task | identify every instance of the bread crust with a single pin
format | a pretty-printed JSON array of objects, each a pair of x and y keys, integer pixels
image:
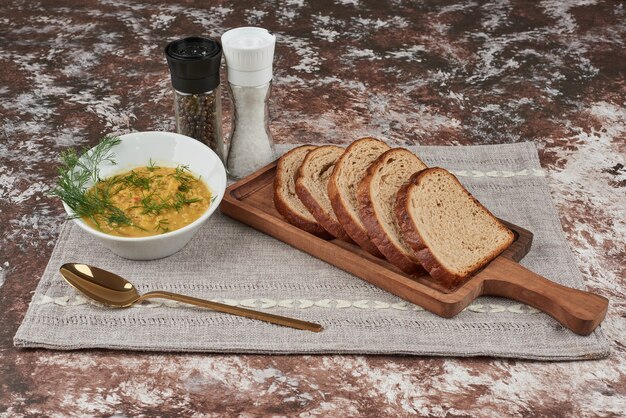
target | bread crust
[
  {"x": 377, "y": 234},
  {"x": 413, "y": 238},
  {"x": 318, "y": 212},
  {"x": 284, "y": 208},
  {"x": 353, "y": 229}
]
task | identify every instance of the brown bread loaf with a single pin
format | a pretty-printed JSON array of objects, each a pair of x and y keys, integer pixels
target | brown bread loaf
[
  {"x": 452, "y": 233},
  {"x": 286, "y": 201},
  {"x": 349, "y": 170},
  {"x": 312, "y": 187},
  {"x": 377, "y": 201}
]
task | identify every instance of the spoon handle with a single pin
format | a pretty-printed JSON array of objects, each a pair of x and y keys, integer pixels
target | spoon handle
[{"x": 248, "y": 313}]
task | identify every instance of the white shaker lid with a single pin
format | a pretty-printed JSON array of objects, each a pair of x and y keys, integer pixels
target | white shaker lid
[{"x": 249, "y": 53}]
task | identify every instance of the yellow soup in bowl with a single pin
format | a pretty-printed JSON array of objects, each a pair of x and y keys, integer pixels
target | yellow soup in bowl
[{"x": 147, "y": 201}]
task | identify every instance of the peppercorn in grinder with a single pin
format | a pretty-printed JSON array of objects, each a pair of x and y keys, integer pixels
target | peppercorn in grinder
[{"x": 194, "y": 64}]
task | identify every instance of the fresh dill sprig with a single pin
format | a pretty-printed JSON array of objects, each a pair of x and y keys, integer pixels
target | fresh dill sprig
[
  {"x": 108, "y": 183},
  {"x": 163, "y": 226},
  {"x": 151, "y": 165},
  {"x": 136, "y": 180},
  {"x": 77, "y": 172},
  {"x": 180, "y": 200},
  {"x": 117, "y": 217},
  {"x": 182, "y": 170},
  {"x": 183, "y": 175},
  {"x": 151, "y": 206}
]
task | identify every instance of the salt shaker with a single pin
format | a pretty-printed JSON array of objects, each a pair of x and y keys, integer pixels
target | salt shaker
[
  {"x": 195, "y": 71},
  {"x": 249, "y": 53}
]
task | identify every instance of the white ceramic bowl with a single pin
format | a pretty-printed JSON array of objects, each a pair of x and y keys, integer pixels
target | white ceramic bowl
[{"x": 165, "y": 149}]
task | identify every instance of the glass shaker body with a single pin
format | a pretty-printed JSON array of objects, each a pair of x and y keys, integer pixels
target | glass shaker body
[
  {"x": 251, "y": 144},
  {"x": 200, "y": 116}
]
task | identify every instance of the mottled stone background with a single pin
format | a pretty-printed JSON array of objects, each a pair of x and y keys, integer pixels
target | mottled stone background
[{"x": 446, "y": 72}]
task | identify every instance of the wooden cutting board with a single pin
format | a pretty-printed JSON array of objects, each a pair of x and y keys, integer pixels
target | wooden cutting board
[{"x": 251, "y": 201}]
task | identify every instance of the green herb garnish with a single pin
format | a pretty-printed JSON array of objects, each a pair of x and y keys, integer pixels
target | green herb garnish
[
  {"x": 180, "y": 200},
  {"x": 74, "y": 175},
  {"x": 162, "y": 226},
  {"x": 183, "y": 177},
  {"x": 151, "y": 166},
  {"x": 151, "y": 206},
  {"x": 117, "y": 217},
  {"x": 135, "y": 180}
]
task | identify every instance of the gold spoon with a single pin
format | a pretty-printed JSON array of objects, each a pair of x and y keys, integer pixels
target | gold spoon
[{"x": 111, "y": 289}]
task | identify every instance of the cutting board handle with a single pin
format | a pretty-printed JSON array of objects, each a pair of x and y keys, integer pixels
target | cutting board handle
[{"x": 575, "y": 309}]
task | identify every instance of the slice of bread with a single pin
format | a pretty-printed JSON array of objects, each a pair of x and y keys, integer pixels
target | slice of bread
[
  {"x": 452, "y": 233},
  {"x": 286, "y": 201},
  {"x": 377, "y": 202},
  {"x": 349, "y": 170},
  {"x": 312, "y": 187}
]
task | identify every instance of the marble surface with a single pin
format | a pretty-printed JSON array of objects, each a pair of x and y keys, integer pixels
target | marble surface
[{"x": 450, "y": 73}]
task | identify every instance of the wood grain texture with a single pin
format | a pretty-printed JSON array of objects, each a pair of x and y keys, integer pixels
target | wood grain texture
[
  {"x": 576, "y": 309},
  {"x": 251, "y": 201}
]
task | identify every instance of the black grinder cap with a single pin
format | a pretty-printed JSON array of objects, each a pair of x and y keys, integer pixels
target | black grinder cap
[{"x": 194, "y": 64}]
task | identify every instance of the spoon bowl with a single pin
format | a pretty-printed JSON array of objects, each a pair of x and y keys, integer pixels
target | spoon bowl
[
  {"x": 110, "y": 289},
  {"x": 100, "y": 285}
]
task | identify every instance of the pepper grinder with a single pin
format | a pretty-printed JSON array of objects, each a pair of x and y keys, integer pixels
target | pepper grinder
[
  {"x": 194, "y": 64},
  {"x": 249, "y": 53}
]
